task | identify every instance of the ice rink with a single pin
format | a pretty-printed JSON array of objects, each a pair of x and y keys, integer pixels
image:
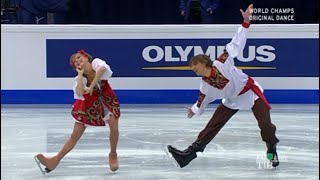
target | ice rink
[{"x": 237, "y": 152}]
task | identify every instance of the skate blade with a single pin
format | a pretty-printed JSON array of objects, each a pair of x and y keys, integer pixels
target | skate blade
[
  {"x": 274, "y": 162},
  {"x": 43, "y": 171},
  {"x": 171, "y": 157}
]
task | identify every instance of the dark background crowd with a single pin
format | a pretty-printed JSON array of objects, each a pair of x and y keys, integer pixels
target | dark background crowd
[{"x": 150, "y": 11}]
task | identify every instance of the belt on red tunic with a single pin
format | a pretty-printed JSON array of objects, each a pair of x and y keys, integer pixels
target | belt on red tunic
[{"x": 250, "y": 85}]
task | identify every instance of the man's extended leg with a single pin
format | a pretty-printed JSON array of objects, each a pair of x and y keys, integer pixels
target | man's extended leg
[
  {"x": 218, "y": 120},
  {"x": 268, "y": 130}
]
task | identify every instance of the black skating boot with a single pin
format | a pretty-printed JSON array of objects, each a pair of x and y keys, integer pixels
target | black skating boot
[
  {"x": 272, "y": 154},
  {"x": 184, "y": 157}
]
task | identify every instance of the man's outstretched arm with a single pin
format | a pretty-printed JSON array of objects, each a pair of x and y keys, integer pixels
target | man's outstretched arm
[{"x": 239, "y": 40}]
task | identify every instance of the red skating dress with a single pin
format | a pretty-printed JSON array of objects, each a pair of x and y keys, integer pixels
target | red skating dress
[{"x": 95, "y": 109}]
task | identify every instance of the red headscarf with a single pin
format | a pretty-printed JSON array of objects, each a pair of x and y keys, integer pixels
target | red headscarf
[{"x": 81, "y": 51}]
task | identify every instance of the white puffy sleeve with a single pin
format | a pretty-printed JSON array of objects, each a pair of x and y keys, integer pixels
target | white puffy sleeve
[
  {"x": 238, "y": 41},
  {"x": 203, "y": 101},
  {"x": 97, "y": 63},
  {"x": 75, "y": 95}
]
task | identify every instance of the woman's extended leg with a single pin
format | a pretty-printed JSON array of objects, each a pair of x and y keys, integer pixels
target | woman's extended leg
[{"x": 52, "y": 162}]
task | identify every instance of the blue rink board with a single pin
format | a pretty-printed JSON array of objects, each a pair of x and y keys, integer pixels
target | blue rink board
[{"x": 149, "y": 96}]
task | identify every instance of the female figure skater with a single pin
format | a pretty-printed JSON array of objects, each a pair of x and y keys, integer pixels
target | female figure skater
[{"x": 96, "y": 104}]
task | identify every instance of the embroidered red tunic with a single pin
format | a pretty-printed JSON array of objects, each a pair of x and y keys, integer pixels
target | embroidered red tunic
[{"x": 94, "y": 109}]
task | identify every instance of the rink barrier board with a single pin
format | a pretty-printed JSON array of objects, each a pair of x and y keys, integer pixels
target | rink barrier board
[
  {"x": 35, "y": 67},
  {"x": 149, "y": 96}
]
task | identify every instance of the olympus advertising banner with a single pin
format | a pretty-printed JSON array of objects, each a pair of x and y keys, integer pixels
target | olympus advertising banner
[
  {"x": 150, "y": 63},
  {"x": 169, "y": 57}
]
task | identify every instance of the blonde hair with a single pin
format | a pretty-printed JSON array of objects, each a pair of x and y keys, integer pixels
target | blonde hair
[
  {"x": 80, "y": 52},
  {"x": 201, "y": 58}
]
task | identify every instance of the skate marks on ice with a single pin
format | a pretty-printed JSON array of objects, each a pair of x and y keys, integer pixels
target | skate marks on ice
[{"x": 236, "y": 153}]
